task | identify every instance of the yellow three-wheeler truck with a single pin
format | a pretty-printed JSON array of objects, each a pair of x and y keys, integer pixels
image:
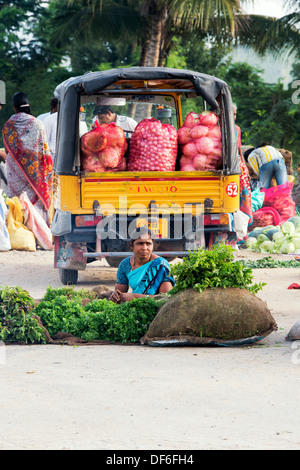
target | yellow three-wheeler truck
[{"x": 184, "y": 209}]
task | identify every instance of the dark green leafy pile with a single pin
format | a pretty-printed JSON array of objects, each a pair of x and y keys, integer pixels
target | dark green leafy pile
[
  {"x": 60, "y": 314},
  {"x": 69, "y": 292},
  {"x": 16, "y": 317},
  {"x": 213, "y": 268},
  {"x": 97, "y": 320},
  {"x": 126, "y": 322},
  {"x": 61, "y": 309},
  {"x": 269, "y": 262}
]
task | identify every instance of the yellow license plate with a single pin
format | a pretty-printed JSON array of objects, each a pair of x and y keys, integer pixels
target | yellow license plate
[{"x": 159, "y": 228}]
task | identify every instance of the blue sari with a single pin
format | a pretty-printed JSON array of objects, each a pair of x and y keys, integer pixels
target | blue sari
[{"x": 147, "y": 278}]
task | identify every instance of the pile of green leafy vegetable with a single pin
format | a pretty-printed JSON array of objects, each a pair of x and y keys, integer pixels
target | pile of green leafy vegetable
[
  {"x": 100, "y": 319},
  {"x": 63, "y": 309},
  {"x": 213, "y": 268},
  {"x": 269, "y": 262},
  {"x": 17, "y": 324}
]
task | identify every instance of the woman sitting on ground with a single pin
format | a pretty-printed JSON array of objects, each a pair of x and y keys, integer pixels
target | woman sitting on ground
[{"x": 145, "y": 273}]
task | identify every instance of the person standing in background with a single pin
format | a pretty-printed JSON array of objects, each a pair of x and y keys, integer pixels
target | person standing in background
[
  {"x": 50, "y": 124},
  {"x": 28, "y": 160}
]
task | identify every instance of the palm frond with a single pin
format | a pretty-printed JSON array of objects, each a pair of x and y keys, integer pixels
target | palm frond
[
  {"x": 91, "y": 25},
  {"x": 207, "y": 15},
  {"x": 269, "y": 34}
]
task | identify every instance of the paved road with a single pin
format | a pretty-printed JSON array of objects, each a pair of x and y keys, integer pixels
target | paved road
[{"x": 138, "y": 397}]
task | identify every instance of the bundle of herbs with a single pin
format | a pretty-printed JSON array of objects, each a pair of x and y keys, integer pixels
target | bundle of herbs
[
  {"x": 213, "y": 268},
  {"x": 17, "y": 324}
]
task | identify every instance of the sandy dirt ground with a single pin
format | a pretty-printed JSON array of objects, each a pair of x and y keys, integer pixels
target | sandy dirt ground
[{"x": 138, "y": 397}]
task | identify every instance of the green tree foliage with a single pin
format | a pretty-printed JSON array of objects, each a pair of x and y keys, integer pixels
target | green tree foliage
[
  {"x": 150, "y": 24},
  {"x": 27, "y": 62},
  {"x": 265, "y": 111}
]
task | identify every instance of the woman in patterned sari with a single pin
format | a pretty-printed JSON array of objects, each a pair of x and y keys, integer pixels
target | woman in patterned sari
[
  {"x": 144, "y": 272},
  {"x": 28, "y": 161}
]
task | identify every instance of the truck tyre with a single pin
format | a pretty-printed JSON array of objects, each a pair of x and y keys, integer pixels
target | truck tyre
[
  {"x": 113, "y": 262},
  {"x": 68, "y": 276}
]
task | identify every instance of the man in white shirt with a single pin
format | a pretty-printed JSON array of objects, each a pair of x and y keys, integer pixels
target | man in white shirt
[
  {"x": 53, "y": 104},
  {"x": 50, "y": 124},
  {"x": 43, "y": 116},
  {"x": 105, "y": 114}
]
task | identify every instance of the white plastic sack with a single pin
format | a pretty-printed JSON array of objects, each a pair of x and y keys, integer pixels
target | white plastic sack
[
  {"x": 4, "y": 235},
  {"x": 35, "y": 222},
  {"x": 240, "y": 224}
]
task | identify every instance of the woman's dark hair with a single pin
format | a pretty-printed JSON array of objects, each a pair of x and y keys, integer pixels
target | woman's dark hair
[
  {"x": 138, "y": 232},
  {"x": 21, "y": 103},
  {"x": 263, "y": 144},
  {"x": 247, "y": 153},
  {"x": 103, "y": 109}
]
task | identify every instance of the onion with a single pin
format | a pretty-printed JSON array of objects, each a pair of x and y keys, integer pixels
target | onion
[
  {"x": 110, "y": 157},
  {"x": 209, "y": 119},
  {"x": 198, "y": 131},
  {"x": 92, "y": 164},
  {"x": 204, "y": 145},
  {"x": 190, "y": 150},
  {"x": 215, "y": 133},
  {"x": 191, "y": 120},
  {"x": 200, "y": 162},
  {"x": 184, "y": 135}
]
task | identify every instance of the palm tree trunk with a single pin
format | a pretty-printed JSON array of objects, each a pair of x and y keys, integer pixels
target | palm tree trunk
[
  {"x": 132, "y": 108},
  {"x": 155, "y": 41},
  {"x": 144, "y": 53},
  {"x": 154, "y": 55}
]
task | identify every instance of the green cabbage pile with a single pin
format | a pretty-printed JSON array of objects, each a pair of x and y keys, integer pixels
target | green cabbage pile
[{"x": 282, "y": 239}]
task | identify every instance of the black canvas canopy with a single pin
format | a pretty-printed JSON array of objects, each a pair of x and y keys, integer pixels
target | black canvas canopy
[{"x": 68, "y": 93}]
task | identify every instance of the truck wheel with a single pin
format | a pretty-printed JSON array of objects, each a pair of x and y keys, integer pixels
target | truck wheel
[
  {"x": 113, "y": 262},
  {"x": 68, "y": 276}
]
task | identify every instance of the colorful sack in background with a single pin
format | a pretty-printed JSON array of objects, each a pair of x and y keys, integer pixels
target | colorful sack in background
[
  {"x": 280, "y": 198},
  {"x": 266, "y": 216},
  {"x": 4, "y": 235},
  {"x": 20, "y": 237},
  {"x": 257, "y": 199},
  {"x": 34, "y": 221}
]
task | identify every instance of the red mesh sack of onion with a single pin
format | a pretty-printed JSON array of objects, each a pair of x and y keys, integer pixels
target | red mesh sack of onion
[
  {"x": 103, "y": 149},
  {"x": 200, "y": 141},
  {"x": 153, "y": 147}
]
